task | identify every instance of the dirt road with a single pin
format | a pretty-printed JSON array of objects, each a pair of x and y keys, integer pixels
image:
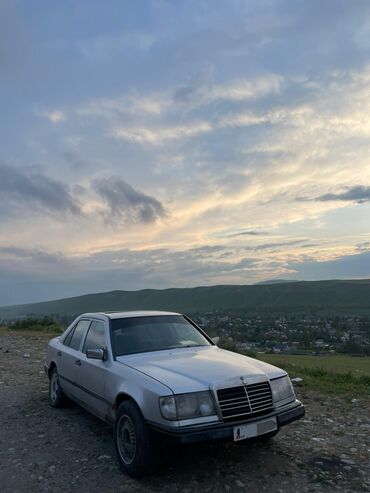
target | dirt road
[{"x": 45, "y": 449}]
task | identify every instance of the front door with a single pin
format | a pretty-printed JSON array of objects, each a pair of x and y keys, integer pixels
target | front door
[
  {"x": 69, "y": 356},
  {"x": 91, "y": 374}
]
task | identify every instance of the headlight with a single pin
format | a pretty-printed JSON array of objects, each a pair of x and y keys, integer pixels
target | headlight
[
  {"x": 187, "y": 406},
  {"x": 168, "y": 407},
  {"x": 282, "y": 388}
]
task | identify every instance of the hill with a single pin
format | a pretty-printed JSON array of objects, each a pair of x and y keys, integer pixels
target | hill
[
  {"x": 315, "y": 297},
  {"x": 274, "y": 281}
]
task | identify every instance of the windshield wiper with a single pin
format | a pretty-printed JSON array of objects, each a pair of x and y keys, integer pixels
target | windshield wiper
[{"x": 187, "y": 346}]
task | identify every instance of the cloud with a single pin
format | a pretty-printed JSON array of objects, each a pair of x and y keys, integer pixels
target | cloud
[
  {"x": 347, "y": 266},
  {"x": 126, "y": 203},
  {"x": 363, "y": 247},
  {"x": 359, "y": 194},
  {"x": 245, "y": 89},
  {"x": 74, "y": 160},
  {"x": 132, "y": 104},
  {"x": 198, "y": 93},
  {"x": 184, "y": 94},
  {"x": 248, "y": 233},
  {"x": 203, "y": 92},
  {"x": 25, "y": 187},
  {"x": 38, "y": 255},
  {"x": 276, "y": 245},
  {"x": 35, "y": 274},
  {"x": 55, "y": 116},
  {"x": 25, "y": 278},
  {"x": 159, "y": 135}
]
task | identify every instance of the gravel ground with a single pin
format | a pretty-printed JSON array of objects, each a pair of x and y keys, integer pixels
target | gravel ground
[{"x": 45, "y": 449}]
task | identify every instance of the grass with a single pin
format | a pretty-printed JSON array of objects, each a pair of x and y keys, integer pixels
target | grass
[
  {"x": 44, "y": 324},
  {"x": 4, "y": 330},
  {"x": 337, "y": 363},
  {"x": 337, "y": 374}
]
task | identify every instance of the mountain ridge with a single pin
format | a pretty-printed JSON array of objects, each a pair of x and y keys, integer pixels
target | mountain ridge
[{"x": 319, "y": 297}]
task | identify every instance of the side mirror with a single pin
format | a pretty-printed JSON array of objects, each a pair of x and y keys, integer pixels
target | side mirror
[
  {"x": 96, "y": 354},
  {"x": 215, "y": 340}
]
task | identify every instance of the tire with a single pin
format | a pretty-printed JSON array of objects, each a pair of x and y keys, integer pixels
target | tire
[
  {"x": 57, "y": 397},
  {"x": 135, "y": 446}
]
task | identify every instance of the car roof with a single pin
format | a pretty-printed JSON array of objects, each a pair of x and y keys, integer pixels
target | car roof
[{"x": 130, "y": 314}]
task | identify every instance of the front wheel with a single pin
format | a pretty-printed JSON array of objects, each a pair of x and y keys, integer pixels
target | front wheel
[
  {"x": 57, "y": 397},
  {"x": 135, "y": 446}
]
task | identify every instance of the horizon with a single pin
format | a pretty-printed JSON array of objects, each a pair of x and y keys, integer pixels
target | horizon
[{"x": 147, "y": 145}]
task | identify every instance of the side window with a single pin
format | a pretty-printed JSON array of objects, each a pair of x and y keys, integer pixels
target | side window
[
  {"x": 95, "y": 338},
  {"x": 67, "y": 339},
  {"x": 79, "y": 333}
]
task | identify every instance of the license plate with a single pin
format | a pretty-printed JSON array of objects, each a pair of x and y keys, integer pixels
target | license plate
[{"x": 254, "y": 429}]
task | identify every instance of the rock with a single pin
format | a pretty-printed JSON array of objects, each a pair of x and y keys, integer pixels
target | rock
[
  {"x": 104, "y": 457},
  {"x": 239, "y": 483},
  {"x": 51, "y": 469},
  {"x": 348, "y": 462},
  {"x": 26, "y": 355},
  {"x": 297, "y": 380}
]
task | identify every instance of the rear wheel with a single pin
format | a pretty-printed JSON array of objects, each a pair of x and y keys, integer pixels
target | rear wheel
[
  {"x": 135, "y": 446},
  {"x": 57, "y": 397}
]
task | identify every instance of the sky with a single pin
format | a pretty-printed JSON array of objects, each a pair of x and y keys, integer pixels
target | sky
[{"x": 156, "y": 144}]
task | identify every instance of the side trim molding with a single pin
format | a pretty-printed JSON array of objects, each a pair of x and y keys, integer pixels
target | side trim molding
[{"x": 84, "y": 389}]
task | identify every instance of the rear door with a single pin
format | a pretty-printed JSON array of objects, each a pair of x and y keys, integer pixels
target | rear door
[{"x": 68, "y": 358}]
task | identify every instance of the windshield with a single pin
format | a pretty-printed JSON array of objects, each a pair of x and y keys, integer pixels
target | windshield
[{"x": 143, "y": 334}]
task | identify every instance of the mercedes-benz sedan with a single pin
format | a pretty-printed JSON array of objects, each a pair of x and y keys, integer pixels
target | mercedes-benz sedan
[{"x": 156, "y": 374}]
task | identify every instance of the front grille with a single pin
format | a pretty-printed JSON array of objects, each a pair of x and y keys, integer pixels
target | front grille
[{"x": 246, "y": 400}]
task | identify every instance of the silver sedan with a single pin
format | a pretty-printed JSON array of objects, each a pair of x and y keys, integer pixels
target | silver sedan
[{"x": 157, "y": 375}]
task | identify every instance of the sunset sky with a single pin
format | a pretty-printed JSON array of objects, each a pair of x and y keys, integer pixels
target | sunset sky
[{"x": 154, "y": 144}]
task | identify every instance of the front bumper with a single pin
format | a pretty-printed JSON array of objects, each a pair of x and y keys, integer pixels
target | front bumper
[{"x": 224, "y": 431}]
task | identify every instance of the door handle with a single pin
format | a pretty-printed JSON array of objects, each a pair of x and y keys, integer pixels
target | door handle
[
  {"x": 59, "y": 353},
  {"x": 78, "y": 362}
]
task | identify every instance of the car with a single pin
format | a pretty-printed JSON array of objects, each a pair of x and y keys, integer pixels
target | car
[{"x": 157, "y": 376}]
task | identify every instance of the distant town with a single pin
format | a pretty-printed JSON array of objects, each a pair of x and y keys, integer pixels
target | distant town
[
  {"x": 290, "y": 334},
  {"x": 252, "y": 334}
]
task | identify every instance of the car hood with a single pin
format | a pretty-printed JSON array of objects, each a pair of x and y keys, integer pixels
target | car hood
[{"x": 194, "y": 369}]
